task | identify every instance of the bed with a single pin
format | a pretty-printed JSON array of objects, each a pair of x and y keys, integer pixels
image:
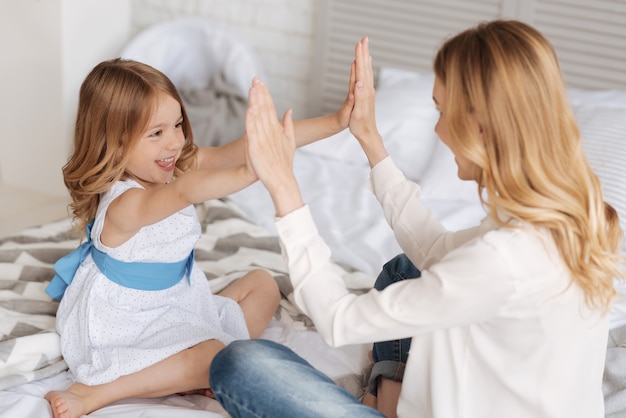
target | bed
[{"x": 238, "y": 231}]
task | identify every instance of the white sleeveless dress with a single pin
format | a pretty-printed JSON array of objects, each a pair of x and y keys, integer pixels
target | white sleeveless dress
[{"x": 108, "y": 330}]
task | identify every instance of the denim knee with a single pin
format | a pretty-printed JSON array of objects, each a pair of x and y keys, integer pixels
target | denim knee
[
  {"x": 397, "y": 269},
  {"x": 390, "y": 357}
]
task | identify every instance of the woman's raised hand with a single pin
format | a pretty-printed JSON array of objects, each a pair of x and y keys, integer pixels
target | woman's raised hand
[
  {"x": 270, "y": 149},
  {"x": 363, "y": 118}
]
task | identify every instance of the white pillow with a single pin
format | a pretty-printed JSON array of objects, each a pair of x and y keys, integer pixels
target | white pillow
[
  {"x": 441, "y": 181},
  {"x": 405, "y": 116},
  {"x": 601, "y": 117},
  {"x": 191, "y": 50},
  {"x": 406, "y": 119},
  {"x": 604, "y": 140},
  {"x": 602, "y": 98}
]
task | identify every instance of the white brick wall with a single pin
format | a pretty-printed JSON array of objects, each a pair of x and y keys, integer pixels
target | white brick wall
[{"x": 281, "y": 31}]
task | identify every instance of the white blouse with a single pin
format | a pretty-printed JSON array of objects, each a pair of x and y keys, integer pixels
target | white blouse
[{"x": 498, "y": 329}]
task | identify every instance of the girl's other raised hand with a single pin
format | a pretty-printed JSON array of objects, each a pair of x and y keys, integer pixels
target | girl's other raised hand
[{"x": 345, "y": 111}]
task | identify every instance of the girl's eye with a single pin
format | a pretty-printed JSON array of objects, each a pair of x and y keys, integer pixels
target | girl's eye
[
  {"x": 156, "y": 133},
  {"x": 179, "y": 124}
]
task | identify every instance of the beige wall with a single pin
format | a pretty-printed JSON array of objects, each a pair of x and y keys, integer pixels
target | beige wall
[{"x": 48, "y": 47}]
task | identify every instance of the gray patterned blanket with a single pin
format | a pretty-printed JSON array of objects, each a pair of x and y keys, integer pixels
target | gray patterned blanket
[{"x": 29, "y": 345}]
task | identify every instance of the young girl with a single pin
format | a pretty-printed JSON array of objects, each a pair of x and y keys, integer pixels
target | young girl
[
  {"x": 507, "y": 319},
  {"x": 139, "y": 319}
]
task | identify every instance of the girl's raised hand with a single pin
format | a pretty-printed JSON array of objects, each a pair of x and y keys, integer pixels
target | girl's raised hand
[
  {"x": 345, "y": 111},
  {"x": 271, "y": 147}
]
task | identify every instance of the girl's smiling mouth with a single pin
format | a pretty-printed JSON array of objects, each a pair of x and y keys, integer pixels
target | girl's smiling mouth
[{"x": 167, "y": 164}]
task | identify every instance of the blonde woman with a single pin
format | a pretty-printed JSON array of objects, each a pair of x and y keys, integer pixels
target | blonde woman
[
  {"x": 507, "y": 319},
  {"x": 137, "y": 317}
]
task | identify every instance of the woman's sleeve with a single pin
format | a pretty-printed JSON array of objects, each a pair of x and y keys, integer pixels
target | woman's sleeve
[
  {"x": 422, "y": 237},
  {"x": 455, "y": 291}
]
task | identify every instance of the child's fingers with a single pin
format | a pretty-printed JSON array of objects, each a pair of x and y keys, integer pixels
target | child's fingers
[
  {"x": 352, "y": 78},
  {"x": 250, "y": 124},
  {"x": 288, "y": 125}
]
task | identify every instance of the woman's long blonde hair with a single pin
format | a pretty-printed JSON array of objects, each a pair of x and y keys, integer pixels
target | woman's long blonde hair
[
  {"x": 528, "y": 157},
  {"x": 115, "y": 105}
]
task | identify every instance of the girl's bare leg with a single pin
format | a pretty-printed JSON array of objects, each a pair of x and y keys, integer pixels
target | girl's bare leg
[
  {"x": 258, "y": 295},
  {"x": 184, "y": 371}
]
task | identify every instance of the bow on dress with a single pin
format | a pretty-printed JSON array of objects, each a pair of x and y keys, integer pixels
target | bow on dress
[{"x": 135, "y": 275}]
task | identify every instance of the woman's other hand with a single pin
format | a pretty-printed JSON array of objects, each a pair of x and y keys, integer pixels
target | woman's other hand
[{"x": 270, "y": 149}]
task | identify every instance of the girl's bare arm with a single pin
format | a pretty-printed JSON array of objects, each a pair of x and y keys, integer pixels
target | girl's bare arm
[{"x": 136, "y": 207}]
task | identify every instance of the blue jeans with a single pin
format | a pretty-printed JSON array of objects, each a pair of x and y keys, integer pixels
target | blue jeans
[
  {"x": 260, "y": 378},
  {"x": 390, "y": 356}
]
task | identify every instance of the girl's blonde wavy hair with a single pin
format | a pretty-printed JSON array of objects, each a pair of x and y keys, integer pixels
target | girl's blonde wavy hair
[
  {"x": 116, "y": 102},
  {"x": 529, "y": 162}
]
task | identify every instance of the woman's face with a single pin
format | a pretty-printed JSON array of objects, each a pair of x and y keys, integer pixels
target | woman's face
[{"x": 465, "y": 166}]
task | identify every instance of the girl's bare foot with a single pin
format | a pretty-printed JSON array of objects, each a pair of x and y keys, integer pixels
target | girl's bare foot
[{"x": 70, "y": 403}]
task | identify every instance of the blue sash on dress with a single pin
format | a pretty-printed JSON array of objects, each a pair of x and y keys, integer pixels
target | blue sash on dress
[{"x": 135, "y": 275}]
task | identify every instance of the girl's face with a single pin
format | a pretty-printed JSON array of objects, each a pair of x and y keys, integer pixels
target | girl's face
[
  {"x": 153, "y": 156},
  {"x": 465, "y": 166}
]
